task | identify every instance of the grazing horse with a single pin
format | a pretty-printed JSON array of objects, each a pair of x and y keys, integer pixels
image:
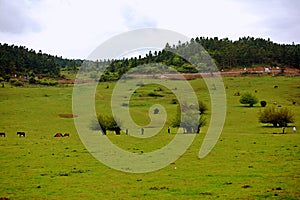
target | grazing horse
[
  {"x": 21, "y": 133},
  {"x": 67, "y": 135},
  {"x": 58, "y": 135},
  {"x": 2, "y": 134}
]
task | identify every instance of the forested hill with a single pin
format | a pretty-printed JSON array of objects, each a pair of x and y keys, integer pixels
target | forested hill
[
  {"x": 19, "y": 60},
  {"x": 249, "y": 51},
  {"x": 226, "y": 54}
]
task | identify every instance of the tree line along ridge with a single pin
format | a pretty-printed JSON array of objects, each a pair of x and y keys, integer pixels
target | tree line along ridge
[{"x": 224, "y": 53}]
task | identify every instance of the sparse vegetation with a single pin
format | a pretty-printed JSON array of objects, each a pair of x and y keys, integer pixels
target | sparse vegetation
[{"x": 40, "y": 166}]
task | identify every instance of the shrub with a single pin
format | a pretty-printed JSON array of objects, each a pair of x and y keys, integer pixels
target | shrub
[
  {"x": 32, "y": 80},
  {"x": 152, "y": 94},
  {"x": 49, "y": 82},
  {"x": 2, "y": 82},
  {"x": 248, "y": 98},
  {"x": 285, "y": 116},
  {"x": 186, "y": 120},
  {"x": 107, "y": 123},
  {"x": 94, "y": 75},
  {"x": 16, "y": 82},
  {"x": 276, "y": 116},
  {"x": 263, "y": 103},
  {"x": 140, "y": 84},
  {"x": 159, "y": 89},
  {"x": 237, "y": 94},
  {"x": 13, "y": 80},
  {"x": 202, "y": 107},
  {"x": 156, "y": 111},
  {"x": 174, "y": 101}
]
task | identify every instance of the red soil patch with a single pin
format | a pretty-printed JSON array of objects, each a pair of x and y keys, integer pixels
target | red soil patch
[{"x": 67, "y": 115}]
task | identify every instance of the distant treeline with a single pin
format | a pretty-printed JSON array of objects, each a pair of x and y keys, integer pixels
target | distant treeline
[
  {"x": 225, "y": 53},
  {"x": 249, "y": 51},
  {"x": 20, "y": 61}
]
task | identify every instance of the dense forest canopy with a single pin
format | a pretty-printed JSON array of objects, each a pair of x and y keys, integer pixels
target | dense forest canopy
[
  {"x": 19, "y": 60},
  {"x": 225, "y": 53},
  {"x": 249, "y": 51}
]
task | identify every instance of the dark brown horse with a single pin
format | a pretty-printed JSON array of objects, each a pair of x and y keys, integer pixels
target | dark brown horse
[
  {"x": 67, "y": 135},
  {"x": 58, "y": 135}
]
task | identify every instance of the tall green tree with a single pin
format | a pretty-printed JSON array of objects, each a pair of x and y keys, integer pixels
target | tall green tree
[{"x": 276, "y": 116}]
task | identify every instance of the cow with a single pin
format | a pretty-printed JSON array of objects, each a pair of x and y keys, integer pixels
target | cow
[
  {"x": 2, "y": 134},
  {"x": 58, "y": 135},
  {"x": 67, "y": 135},
  {"x": 21, "y": 133}
]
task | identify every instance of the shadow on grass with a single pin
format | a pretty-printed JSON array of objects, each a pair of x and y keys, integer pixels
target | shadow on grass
[
  {"x": 269, "y": 129},
  {"x": 246, "y": 106},
  {"x": 275, "y": 127}
]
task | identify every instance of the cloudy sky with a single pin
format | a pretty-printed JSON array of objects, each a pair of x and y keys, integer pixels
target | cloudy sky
[{"x": 74, "y": 28}]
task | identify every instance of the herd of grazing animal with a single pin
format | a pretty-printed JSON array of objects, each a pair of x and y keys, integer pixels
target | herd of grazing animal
[
  {"x": 19, "y": 133},
  {"x": 62, "y": 135},
  {"x": 22, "y": 134}
]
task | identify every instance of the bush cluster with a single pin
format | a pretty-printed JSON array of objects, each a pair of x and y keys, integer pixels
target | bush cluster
[
  {"x": 153, "y": 94},
  {"x": 276, "y": 116},
  {"x": 107, "y": 123},
  {"x": 248, "y": 98},
  {"x": 16, "y": 82},
  {"x": 44, "y": 81}
]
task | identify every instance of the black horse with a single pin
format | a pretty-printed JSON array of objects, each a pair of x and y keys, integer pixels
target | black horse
[
  {"x": 21, "y": 133},
  {"x": 2, "y": 134}
]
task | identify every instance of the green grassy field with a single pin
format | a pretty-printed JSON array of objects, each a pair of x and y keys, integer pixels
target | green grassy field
[{"x": 248, "y": 162}]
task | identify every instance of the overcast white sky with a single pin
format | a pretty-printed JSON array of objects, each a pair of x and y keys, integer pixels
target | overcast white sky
[{"x": 74, "y": 28}]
